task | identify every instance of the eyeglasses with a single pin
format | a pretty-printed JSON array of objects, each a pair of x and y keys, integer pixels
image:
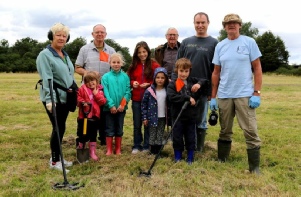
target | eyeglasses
[
  {"x": 175, "y": 35},
  {"x": 100, "y": 32}
]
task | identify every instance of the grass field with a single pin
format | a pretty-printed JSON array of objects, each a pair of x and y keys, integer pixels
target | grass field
[{"x": 25, "y": 152}]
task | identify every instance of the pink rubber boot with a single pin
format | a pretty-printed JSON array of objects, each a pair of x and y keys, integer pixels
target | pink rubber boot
[{"x": 93, "y": 151}]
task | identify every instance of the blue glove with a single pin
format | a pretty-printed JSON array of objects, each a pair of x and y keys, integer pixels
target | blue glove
[
  {"x": 254, "y": 102},
  {"x": 213, "y": 104}
]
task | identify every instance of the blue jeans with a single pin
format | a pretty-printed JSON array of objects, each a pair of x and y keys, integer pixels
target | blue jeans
[
  {"x": 136, "y": 110},
  {"x": 114, "y": 124},
  {"x": 204, "y": 111}
]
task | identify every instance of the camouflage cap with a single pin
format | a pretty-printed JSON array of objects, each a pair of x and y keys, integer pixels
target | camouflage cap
[{"x": 231, "y": 18}]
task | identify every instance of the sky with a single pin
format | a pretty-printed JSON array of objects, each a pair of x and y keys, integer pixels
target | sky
[{"x": 130, "y": 21}]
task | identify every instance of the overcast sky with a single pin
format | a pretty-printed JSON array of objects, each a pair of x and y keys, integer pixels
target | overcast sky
[{"x": 130, "y": 21}]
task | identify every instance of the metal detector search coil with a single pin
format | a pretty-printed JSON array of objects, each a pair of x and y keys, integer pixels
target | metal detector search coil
[{"x": 213, "y": 117}]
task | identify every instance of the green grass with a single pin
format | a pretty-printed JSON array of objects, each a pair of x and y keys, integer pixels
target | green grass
[{"x": 25, "y": 152}]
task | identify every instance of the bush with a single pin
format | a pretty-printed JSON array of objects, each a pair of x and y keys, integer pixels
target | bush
[{"x": 288, "y": 70}]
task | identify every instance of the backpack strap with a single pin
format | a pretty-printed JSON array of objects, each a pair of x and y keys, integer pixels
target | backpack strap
[{"x": 40, "y": 82}]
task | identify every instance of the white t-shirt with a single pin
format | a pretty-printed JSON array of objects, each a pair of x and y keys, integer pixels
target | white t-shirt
[{"x": 161, "y": 100}]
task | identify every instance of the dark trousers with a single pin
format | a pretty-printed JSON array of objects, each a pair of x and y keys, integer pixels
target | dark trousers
[
  {"x": 91, "y": 130},
  {"x": 184, "y": 130},
  {"x": 138, "y": 138},
  {"x": 114, "y": 124},
  {"x": 102, "y": 127},
  {"x": 61, "y": 116}
]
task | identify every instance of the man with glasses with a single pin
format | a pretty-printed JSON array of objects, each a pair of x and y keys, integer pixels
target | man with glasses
[
  {"x": 94, "y": 56},
  {"x": 166, "y": 54},
  {"x": 199, "y": 49}
]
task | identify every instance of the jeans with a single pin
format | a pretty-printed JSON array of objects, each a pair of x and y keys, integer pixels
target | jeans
[
  {"x": 114, "y": 124},
  {"x": 204, "y": 111},
  {"x": 136, "y": 110}
]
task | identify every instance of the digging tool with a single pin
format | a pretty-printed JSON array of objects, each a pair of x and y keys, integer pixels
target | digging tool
[
  {"x": 65, "y": 185},
  {"x": 148, "y": 173},
  {"x": 82, "y": 155}
]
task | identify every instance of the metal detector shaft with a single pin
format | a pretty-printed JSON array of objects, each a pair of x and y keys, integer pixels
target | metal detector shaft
[
  {"x": 57, "y": 129},
  {"x": 169, "y": 134}
]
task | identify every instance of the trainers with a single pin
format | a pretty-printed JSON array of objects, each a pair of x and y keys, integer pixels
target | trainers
[
  {"x": 66, "y": 163},
  {"x": 58, "y": 166},
  {"x": 145, "y": 151},
  {"x": 135, "y": 151}
]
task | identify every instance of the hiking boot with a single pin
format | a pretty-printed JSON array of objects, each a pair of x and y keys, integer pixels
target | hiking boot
[{"x": 58, "y": 166}]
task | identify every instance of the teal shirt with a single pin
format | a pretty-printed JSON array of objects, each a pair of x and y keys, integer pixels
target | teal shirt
[
  {"x": 51, "y": 66},
  {"x": 116, "y": 85}
]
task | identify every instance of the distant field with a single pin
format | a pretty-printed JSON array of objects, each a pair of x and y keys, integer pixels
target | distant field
[{"x": 24, "y": 143}]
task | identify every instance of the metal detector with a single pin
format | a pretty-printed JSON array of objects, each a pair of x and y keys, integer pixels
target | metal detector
[
  {"x": 148, "y": 173},
  {"x": 65, "y": 185}
]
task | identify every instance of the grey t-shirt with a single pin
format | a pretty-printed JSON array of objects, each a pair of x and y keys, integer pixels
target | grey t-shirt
[{"x": 200, "y": 52}]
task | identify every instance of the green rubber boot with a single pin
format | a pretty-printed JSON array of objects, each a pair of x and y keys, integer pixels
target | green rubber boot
[
  {"x": 223, "y": 150},
  {"x": 201, "y": 135},
  {"x": 254, "y": 160}
]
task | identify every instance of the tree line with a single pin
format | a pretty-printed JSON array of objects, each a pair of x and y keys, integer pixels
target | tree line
[{"x": 21, "y": 57}]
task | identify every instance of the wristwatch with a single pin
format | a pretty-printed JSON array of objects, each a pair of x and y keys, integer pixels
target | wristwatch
[{"x": 257, "y": 91}]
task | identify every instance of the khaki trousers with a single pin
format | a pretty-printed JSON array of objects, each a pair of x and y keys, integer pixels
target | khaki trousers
[{"x": 246, "y": 117}]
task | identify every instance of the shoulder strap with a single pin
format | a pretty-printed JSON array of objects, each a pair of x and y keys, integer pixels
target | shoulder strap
[
  {"x": 40, "y": 83},
  {"x": 56, "y": 85}
]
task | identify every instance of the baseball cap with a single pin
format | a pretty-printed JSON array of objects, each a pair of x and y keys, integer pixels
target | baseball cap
[{"x": 231, "y": 18}]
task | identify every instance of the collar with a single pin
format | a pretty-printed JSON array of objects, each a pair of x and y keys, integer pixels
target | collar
[
  {"x": 54, "y": 52},
  {"x": 104, "y": 46}
]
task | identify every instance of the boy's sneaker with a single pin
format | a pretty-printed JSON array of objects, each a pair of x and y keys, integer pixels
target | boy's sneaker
[
  {"x": 58, "y": 166},
  {"x": 66, "y": 163},
  {"x": 135, "y": 151}
]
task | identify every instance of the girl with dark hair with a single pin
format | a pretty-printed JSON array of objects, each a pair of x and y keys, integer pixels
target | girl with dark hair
[
  {"x": 154, "y": 109},
  {"x": 141, "y": 72}
]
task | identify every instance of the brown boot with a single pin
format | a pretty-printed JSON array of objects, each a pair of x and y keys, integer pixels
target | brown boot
[
  {"x": 109, "y": 141},
  {"x": 118, "y": 145}
]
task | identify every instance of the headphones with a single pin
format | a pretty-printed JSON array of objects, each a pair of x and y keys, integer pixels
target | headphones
[
  {"x": 50, "y": 36},
  {"x": 213, "y": 117}
]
